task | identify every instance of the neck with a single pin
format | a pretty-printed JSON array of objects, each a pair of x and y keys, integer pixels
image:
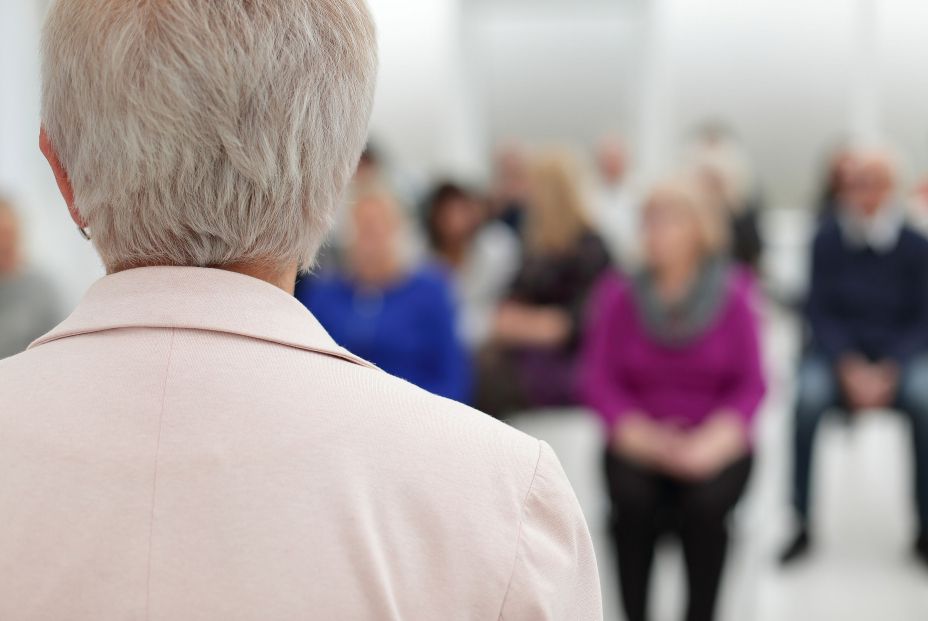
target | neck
[
  {"x": 454, "y": 254},
  {"x": 377, "y": 273},
  {"x": 674, "y": 279},
  {"x": 281, "y": 277}
]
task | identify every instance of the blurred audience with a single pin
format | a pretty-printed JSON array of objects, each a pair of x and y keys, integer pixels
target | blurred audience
[
  {"x": 615, "y": 206},
  {"x": 720, "y": 160},
  {"x": 384, "y": 309},
  {"x": 28, "y": 303},
  {"x": 672, "y": 366},
  {"x": 868, "y": 313},
  {"x": 373, "y": 170},
  {"x": 530, "y": 359},
  {"x": 481, "y": 256},
  {"x": 510, "y": 190},
  {"x": 838, "y": 169}
]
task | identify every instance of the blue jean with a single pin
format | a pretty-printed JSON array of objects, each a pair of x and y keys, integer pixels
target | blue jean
[{"x": 819, "y": 392}]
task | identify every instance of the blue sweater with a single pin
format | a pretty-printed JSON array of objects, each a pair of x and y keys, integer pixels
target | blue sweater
[
  {"x": 407, "y": 329},
  {"x": 868, "y": 302}
]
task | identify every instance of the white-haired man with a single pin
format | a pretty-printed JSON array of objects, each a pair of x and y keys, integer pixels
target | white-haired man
[
  {"x": 190, "y": 444},
  {"x": 868, "y": 314}
]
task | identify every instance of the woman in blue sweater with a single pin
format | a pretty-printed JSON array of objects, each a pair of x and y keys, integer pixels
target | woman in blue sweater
[{"x": 400, "y": 318}]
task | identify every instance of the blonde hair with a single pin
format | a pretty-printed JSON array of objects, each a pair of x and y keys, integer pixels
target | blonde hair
[
  {"x": 557, "y": 216},
  {"x": 687, "y": 193},
  {"x": 208, "y": 133}
]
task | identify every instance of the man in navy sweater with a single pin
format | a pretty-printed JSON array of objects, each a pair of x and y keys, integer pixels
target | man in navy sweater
[{"x": 868, "y": 312}]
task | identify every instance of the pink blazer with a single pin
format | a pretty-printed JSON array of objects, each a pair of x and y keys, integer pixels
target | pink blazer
[{"x": 191, "y": 445}]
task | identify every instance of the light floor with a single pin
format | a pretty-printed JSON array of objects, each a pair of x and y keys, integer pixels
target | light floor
[{"x": 862, "y": 569}]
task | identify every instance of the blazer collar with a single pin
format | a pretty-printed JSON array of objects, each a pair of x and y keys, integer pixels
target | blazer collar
[{"x": 191, "y": 298}]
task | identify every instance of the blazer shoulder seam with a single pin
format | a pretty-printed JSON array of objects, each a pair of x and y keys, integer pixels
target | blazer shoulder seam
[
  {"x": 515, "y": 560},
  {"x": 154, "y": 481}
]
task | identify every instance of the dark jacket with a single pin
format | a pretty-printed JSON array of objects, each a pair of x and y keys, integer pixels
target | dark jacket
[{"x": 869, "y": 302}]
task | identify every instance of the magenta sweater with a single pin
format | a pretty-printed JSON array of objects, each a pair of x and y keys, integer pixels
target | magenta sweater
[{"x": 625, "y": 370}]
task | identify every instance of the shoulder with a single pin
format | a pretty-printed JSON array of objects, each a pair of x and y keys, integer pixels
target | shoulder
[
  {"x": 429, "y": 282},
  {"x": 612, "y": 288},
  {"x": 828, "y": 232},
  {"x": 592, "y": 242},
  {"x": 467, "y": 449},
  {"x": 612, "y": 298},
  {"x": 742, "y": 291},
  {"x": 326, "y": 284},
  {"x": 913, "y": 240}
]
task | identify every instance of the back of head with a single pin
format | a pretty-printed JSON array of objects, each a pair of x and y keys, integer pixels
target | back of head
[{"x": 208, "y": 133}]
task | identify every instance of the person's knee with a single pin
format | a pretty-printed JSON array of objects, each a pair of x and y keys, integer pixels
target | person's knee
[
  {"x": 635, "y": 492},
  {"x": 708, "y": 504},
  {"x": 817, "y": 391},
  {"x": 705, "y": 507}
]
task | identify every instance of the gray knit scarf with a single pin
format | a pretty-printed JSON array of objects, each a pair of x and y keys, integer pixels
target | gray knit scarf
[{"x": 678, "y": 324}]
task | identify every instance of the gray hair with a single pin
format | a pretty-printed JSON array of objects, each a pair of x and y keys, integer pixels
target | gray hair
[{"x": 208, "y": 133}]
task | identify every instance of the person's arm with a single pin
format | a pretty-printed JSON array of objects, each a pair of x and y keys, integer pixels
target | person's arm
[
  {"x": 746, "y": 391},
  {"x": 592, "y": 262},
  {"x": 828, "y": 330},
  {"x": 911, "y": 339},
  {"x": 727, "y": 434},
  {"x": 554, "y": 575},
  {"x": 600, "y": 383},
  {"x": 451, "y": 375}
]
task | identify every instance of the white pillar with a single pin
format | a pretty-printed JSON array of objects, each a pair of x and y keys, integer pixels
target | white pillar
[
  {"x": 866, "y": 114},
  {"x": 426, "y": 111},
  {"x": 655, "y": 128}
]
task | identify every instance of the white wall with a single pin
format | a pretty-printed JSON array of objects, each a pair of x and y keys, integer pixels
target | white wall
[
  {"x": 556, "y": 72},
  {"x": 426, "y": 113},
  {"x": 459, "y": 74},
  {"x": 791, "y": 76}
]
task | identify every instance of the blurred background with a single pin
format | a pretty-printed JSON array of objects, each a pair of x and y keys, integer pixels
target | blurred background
[{"x": 594, "y": 103}]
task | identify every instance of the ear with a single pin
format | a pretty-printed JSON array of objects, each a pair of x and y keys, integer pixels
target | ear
[{"x": 61, "y": 177}]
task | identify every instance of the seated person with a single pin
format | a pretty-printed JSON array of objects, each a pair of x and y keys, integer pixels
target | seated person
[
  {"x": 28, "y": 303},
  {"x": 380, "y": 308},
  {"x": 868, "y": 314},
  {"x": 480, "y": 255},
  {"x": 529, "y": 360},
  {"x": 672, "y": 366},
  {"x": 718, "y": 156}
]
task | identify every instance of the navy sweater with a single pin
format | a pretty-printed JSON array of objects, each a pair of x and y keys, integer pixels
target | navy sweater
[{"x": 873, "y": 303}]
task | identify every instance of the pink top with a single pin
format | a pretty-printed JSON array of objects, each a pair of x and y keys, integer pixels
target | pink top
[
  {"x": 191, "y": 444},
  {"x": 626, "y": 370}
]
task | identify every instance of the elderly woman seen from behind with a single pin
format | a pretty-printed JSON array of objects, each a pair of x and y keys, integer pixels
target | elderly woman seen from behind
[
  {"x": 672, "y": 366},
  {"x": 190, "y": 442}
]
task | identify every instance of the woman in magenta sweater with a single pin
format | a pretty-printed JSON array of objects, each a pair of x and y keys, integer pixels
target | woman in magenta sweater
[{"x": 672, "y": 366}]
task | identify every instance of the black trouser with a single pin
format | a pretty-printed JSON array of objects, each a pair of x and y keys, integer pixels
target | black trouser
[{"x": 645, "y": 504}]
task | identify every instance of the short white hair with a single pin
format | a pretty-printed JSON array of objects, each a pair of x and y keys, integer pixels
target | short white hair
[{"x": 208, "y": 133}]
